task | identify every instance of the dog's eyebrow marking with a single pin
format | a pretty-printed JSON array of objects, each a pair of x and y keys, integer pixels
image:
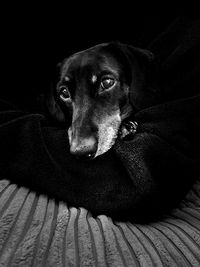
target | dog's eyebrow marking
[
  {"x": 94, "y": 78},
  {"x": 66, "y": 78}
]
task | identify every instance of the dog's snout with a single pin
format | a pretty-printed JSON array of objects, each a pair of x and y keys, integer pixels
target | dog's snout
[{"x": 84, "y": 148}]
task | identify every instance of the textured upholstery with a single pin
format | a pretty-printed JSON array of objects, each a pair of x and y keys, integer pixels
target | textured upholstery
[{"x": 37, "y": 231}]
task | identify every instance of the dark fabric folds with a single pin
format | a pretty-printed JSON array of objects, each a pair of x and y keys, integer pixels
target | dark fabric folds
[{"x": 148, "y": 174}]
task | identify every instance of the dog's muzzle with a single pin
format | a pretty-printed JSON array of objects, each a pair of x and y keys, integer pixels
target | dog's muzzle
[{"x": 88, "y": 147}]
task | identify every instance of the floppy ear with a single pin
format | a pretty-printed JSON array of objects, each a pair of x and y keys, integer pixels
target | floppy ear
[
  {"x": 143, "y": 70},
  {"x": 54, "y": 109}
]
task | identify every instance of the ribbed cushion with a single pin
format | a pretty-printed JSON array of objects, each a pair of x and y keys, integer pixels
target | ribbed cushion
[{"x": 37, "y": 231}]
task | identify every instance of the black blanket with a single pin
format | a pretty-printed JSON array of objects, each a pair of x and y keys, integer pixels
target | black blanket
[{"x": 136, "y": 179}]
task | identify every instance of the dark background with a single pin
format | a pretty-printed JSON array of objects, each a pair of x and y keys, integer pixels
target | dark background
[{"x": 35, "y": 38}]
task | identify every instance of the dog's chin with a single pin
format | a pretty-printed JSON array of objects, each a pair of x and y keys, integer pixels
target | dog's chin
[
  {"x": 107, "y": 134},
  {"x": 107, "y": 145}
]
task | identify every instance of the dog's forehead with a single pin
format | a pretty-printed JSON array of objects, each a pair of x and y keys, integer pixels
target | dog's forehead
[{"x": 96, "y": 58}]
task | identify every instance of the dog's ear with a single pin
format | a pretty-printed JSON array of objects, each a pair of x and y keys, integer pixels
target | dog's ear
[
  {"x": 54, "y": 109},
  {"x": 142, "y": 69}
]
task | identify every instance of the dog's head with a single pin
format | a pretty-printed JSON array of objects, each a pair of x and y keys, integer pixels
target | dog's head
[{"x": 99, "y": 88}]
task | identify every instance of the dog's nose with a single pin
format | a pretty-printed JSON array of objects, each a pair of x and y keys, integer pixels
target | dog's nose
[{"x": 85, "y": 148}]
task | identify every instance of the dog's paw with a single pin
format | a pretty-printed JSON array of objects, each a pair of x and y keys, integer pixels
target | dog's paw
[{"x": 128, "y": 130}]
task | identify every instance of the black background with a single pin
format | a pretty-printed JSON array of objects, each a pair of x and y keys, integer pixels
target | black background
[{"x": 35, "y": 38}]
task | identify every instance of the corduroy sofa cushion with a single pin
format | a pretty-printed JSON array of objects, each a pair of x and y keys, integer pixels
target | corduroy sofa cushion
[{"x": 37, "y": 231}]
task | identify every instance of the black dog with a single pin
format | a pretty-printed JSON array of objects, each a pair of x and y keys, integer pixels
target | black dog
[{"x": 100, "y": 88}]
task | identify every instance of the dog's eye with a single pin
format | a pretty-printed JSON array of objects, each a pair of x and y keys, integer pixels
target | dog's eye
[
  {"x": 107, "y": 83},
  {"x": 64, "y": 94}
]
